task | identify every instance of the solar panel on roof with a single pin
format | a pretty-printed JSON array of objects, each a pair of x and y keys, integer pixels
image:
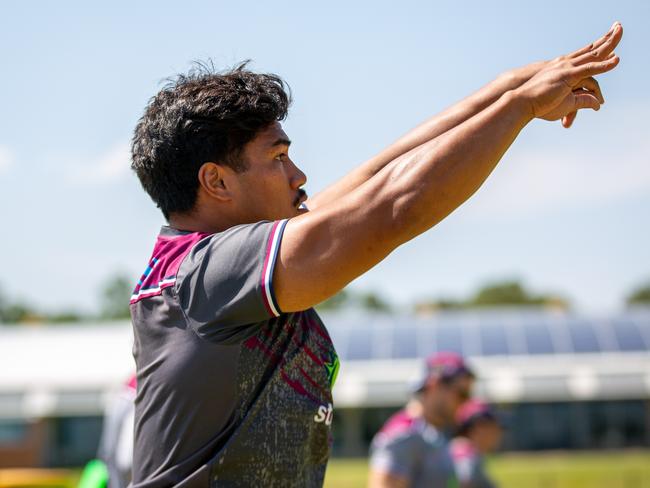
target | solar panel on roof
[
  {"x": 643, "y": 323},
  {"x": 339, "y": 336},
  {"x": 382, "y": 340},
  {"x": 628, "y": 336},
  {"x": 493, "y": 339},
  {"x": 449, "y": 338},
  {"x": 405, "y": 343},
  {"x": 583, "y": 337},
  {"x": 538, "y": 338},
  {"x": 360, "y": 344},
  {"x": 426, "y": 341},
  {"x": 364, "y": 337}
]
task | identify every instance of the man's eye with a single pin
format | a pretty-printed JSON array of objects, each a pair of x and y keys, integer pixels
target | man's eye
[{"x": 281, "y": 156}]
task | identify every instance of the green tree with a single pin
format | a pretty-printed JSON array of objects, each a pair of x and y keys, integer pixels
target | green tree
[
  {"x": 16, "y": 312},
  {"x": 513, "y": 293},
  {"x": 496, "y": 294},
  {"x": 640, "y": 296},
  {"x": 373, "y": 302},
  {"x": 64, "y": 317},
  {"x": 365, "y": 300},
  {"x": 504, "y": 293},
  {"x": 3, "y": 306},
  {"x": 426, "y": 307},
  {"x": 335, "y": 302},
  {"x": 115, "y": 296}
]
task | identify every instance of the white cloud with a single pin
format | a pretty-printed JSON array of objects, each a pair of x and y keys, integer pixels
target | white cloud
[
  {"x": 6, "y": 159},
  {"x": 107, "y": 168},
  {"x": 547, "y": 180}
]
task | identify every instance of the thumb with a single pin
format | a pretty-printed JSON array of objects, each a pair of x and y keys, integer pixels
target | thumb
[{"x": 586, "y": 100}]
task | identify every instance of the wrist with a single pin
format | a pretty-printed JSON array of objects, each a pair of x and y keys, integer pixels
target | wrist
[
  {"x": 521, "y": 104},
  {"x": 511, "y": 80},
  {"x": 516, "y": 77}
]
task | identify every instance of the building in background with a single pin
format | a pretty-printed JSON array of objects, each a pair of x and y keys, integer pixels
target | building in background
[
  {"x": 563, "y": 381},
  {"x": 55, "y": 383}
]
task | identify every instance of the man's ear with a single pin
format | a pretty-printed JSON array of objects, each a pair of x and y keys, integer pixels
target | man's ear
[{"x": 213, "y": 178}]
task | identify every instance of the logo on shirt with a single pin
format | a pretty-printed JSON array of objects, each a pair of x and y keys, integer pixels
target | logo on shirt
[
  {"x": 332, "y": 367},
  {"x": 325, "y": 414}
]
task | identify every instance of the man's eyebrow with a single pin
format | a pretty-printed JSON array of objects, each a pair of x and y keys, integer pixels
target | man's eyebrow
[{"x": 281, "y": 142}]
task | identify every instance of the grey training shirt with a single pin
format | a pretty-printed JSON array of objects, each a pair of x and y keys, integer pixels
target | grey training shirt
[
  {"x": 409, "y": 447},
  {"x": 231, "y": 391},
  {"x": 469, "y": 465}
]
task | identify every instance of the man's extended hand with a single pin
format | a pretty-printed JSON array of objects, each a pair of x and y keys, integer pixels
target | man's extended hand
[
  {"x": 450, "y": 118},
  {"x": 517, "y": 77},
  {"x": 427, "y": 179},
  {"x": 566, "y": 84}
]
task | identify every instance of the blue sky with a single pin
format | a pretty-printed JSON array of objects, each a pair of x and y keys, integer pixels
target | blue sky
[{"x": 566, "y": 211}]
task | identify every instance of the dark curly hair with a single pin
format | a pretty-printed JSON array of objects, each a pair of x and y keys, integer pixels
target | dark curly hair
[{"x": 199, "y": 117}]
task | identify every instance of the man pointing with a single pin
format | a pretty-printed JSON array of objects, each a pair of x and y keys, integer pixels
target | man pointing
[{"x": 234, "y": 367}]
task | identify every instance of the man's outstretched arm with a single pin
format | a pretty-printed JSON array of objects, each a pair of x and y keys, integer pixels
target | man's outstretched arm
[
  {"x": 430, "y": 129},
  {"x": 441, "y": 123},
  {"x": 323, "y": 250}
]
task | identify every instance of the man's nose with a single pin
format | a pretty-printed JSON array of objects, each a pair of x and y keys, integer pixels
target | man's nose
[{"x": 298, "y": 178}]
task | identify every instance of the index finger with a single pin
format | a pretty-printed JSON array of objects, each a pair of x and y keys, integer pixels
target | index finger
[
  {"x": 604, "y": 50},
  {"x": 595, "y": 44}
]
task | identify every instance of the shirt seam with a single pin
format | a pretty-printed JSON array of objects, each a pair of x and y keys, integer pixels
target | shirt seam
[
  {"x": 278, "y": 229},
  {"x": 177, "y": 286}
]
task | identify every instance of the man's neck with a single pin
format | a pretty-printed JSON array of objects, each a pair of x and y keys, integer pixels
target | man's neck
[{"x": 194, "y": 222}]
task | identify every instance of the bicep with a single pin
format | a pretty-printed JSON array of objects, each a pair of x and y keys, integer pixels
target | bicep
[{"x": 324, "y": 249}]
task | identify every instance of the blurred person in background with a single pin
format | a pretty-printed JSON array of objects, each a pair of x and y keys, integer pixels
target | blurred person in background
[
  {"x": 412, "y": 447},
  {"x": 114, "y": 463},
  {"x": 479, "y": 433},
  {"x": 116, "y": 444}
]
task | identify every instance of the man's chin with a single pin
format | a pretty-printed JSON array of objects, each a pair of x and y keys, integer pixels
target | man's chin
[
  {"x": 299, "y": 210},
  {"x": 290, "y": 213}
]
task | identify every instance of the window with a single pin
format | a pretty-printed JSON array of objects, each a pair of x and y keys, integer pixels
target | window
[{"x": 12, "y": 431}]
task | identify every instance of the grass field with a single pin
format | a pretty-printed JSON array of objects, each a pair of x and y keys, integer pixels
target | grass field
[
  {"x": 615, "y": 469},
  {"x": 547, "y": 470}
]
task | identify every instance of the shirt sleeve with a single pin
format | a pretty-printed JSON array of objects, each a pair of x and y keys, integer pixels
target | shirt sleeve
[
  {"x": 397, "y": 455},
  {"x": 225, "y": 284}
]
